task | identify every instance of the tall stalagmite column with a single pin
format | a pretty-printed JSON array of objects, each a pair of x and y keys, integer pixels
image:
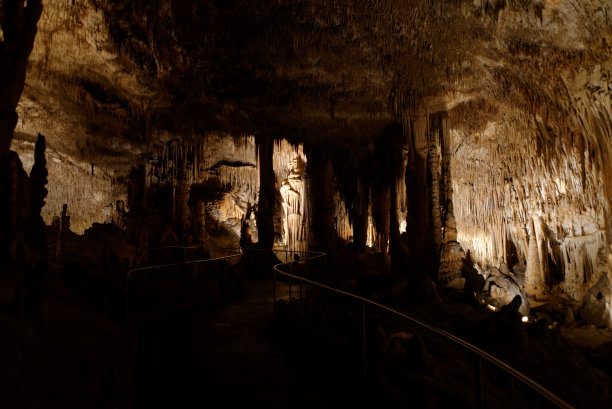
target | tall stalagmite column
[
  {"x": 419, "y": 231},
  {"x": 199, "y": 223},
  {"x": 320, "y": 189},
  {"x": 422, "y": 205},
  {"x": 533, "y": 277},
  {"x": 393, "y": 205},
  {"x": 449, "y": 223},
  {"x": 360, "y": 222},
  {"x": 327, "y": 205},
  {"x": 433, "y": 170},
  {"x": 38, "y": 191},
  {"x": 267, "y": 192},
  {"x": 451, "y": 254},
  {"x": 181, "y": 205},
  {"x": 18, "y": 21}
]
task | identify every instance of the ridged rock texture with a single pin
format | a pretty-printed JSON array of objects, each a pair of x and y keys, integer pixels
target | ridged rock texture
[{"x": 418, "y": 128}]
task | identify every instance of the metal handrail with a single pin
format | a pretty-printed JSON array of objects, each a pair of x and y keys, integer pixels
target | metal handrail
[
  {"x": 159, "y": 266},
  {"x": 541, "y": 390},
  {"x": 243, "y": 250}
]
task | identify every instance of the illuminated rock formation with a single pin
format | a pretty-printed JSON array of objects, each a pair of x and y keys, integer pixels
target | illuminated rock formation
[
  {"x": 424, "y": 130},
  {"x": 293, "y": 193}
]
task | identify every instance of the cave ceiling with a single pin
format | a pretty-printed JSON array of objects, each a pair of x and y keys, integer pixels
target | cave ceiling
[{"x": 317, "y": 70}]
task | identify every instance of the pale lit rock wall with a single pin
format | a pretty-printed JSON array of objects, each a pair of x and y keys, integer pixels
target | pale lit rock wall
[
  {"x": 88, "y": 101},
  {"x": 73, "y": 184},
  {"x": 225, "y": 163},
  {"x": 526, "y": 177},
  {"x": 233, "y": 161},
  {"x": 531, "y": 145},
  {"x": 73, "y": 42}
]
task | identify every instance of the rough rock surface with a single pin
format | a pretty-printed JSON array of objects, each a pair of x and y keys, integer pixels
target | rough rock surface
[
  {"x": 451, "y": 262},
  {"x": 489, "y": 120},
  {"x": 500, "y": 289}
]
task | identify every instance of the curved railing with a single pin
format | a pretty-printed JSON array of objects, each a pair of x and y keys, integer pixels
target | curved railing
[
  {"x": 479, "y": 353},
  {"x": 234, "y": 254}
]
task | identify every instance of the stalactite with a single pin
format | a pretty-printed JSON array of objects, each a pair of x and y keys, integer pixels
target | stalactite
[{"x": 558, "y": 193}]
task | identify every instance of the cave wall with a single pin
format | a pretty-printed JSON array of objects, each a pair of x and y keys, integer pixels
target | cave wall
[
  {"x": 89, "y": 101},
  {"x": 19, "y": 202},
  {"x": 503, "y": 109},
  {"x": 530, "y": 163}
]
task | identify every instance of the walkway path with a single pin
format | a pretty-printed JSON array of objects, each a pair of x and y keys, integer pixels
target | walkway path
[{"x": 227, "y": 357}]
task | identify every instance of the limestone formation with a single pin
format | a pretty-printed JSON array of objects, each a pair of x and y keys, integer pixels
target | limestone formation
[
  {"x": 422, "y": 126},
  {"x": 451, "y": 262}
]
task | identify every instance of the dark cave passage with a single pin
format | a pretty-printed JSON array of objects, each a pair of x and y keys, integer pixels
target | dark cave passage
[{"x": 232, "y": 357}]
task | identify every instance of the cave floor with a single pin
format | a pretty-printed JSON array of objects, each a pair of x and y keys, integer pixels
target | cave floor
[{"x": 230, "y": 356}]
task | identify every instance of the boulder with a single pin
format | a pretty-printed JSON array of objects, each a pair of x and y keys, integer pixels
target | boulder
[
  {"x": 501, "y": 289},
  {"x": 596, "y": 308}
]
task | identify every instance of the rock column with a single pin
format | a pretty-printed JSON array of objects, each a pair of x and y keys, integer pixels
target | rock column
[
  {"x": 360, "y": 222},
  {"x": 18, "y": 20},
  {"x": 267, "y": 192}
]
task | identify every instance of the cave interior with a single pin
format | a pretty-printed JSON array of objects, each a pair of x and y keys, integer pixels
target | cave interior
[{"x": 165, "y": 164}]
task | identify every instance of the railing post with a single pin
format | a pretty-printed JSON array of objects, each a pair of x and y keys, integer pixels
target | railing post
[
  {"x": 290, "y": 283},
  {"x": 363, "y": 328},
  {"x": 479, "y": 404}
]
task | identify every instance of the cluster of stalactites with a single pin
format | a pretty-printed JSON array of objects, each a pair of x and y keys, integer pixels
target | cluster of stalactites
[
  {"x": 377, "y": 208},
  {"x": 216, "y": 159},
  {"x": 514, "y": 206},
  {"x": 243, "y": 179},
  {"x": 378, "y": 218},
  {"x": 202, "y": 157}
]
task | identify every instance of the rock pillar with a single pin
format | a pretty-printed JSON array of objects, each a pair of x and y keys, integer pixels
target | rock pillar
[{"x": 267, "y": 192}]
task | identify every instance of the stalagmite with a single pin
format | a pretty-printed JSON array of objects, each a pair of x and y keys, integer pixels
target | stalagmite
[
  {"x": 182, "y": 208},
  {"x": 199, "y": 223},
  {"x": 362, "y": 220},
  {"x": 38, "y": 193},
  {"x": 433, "y": 168},
  {"x": 328, "y": 217},
  {"x": 293, "y": 193},
  {"x": 290, "y": 170},
  {"x": 533, "y": 279}
]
